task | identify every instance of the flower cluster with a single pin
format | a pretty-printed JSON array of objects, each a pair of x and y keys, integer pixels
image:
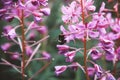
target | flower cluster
[
  {"x": 21, "y": 11},
  {"x": 98, "y": 26},
  {"x": 12, "y": 9}
]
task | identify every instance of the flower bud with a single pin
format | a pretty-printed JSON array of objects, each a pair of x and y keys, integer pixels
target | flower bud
[
  {"x": 60, "y": 69},
  {"x": 15, "y": 56},
  {"x": 5, "y": 46}
]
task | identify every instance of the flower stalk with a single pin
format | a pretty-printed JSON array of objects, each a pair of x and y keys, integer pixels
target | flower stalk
[
  {"x": 23, "y": 43},
  {"x": 115, "y": 68},
  {"x": 85, "y": 41}
]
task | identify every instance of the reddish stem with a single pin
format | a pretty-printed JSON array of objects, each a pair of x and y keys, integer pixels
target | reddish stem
[
  {"x": 23, "y": 42},
  {"x": 115, "y": 65},
  {"x": 85, "y": 42},
  {"x": 115, "y": 68},
  {"x": 23, "y": 49}
]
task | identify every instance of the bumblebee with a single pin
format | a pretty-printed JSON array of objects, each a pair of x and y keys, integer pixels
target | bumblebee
[{"x": 61, "y": 39}]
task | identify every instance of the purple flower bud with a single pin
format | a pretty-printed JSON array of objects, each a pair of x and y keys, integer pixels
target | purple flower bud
[
  {"x": 109, "y": 56},
  {"x": 7, "y": 2},
  {"x": 98, "y": 71},
  {"x": 93, "y": 34},
  {"x": 29, "y": 50},
  {"x": 60, "y": 69},
  {"x": 42, "y": 30},
  {"x": 92, "y": 25},
  {"x": 15, "y": 56},
  {"x": 102, "y": 7},
  {"x": 32, "y": 35},
  {"x": 12, "y": 34},
  {"x": 74, "y": 66},
  {"x": 71, "y": 12},
  {"x": 38, "y": 19},
  {"x": 5, "y": 46},
  {"x": 38, "y": 16},
  {"x": 110, "y": 77},
  {"x": 46, "y": 55},
  {"x": 98, "y": 68},
  {"x": 116, "y": 27},
  {"x": 107, "y": 43},
  {"x": 98, "y": 74},
  {"x": 95, "y": 54},
  {"x": 6, "y": 29},
  {"x": 2, "y": 11},
  {"x": 103, "y": 23},
  {"x": 31, "y": 6},
  {"x": 69, "y": 56},
  {"x": 113, "y": 36},
  {"x": 9, "y": 18},
  {"x": 91, "y": 8},
  {"x": 43, "y": 2},
  {"x": 91, "y": 71},
  {"x": 63, "y": 47},
  {"x": 45, "y": 11}
]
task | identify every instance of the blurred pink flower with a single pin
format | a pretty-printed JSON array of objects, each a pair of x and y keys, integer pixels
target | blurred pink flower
[
  {"x": 69, "y": 56},
  {"x": 5, "y": 46},
  {"x": 71, "y": 13},
  {"x": 60, "y": 69}
]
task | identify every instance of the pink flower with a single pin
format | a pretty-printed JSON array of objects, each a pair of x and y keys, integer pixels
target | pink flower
[
  {"x": 30, "y": 5},
  {"x": 69, "y": 56},
  {"x": 5, "y": 46},
  {"x": 29, "y": 50},
  {"x": 46, "y": 55},
  {"x": 74, "y": 66},
  {"x": 37, "y": 16},
  {"x": 42, "y": 29},
  {"x": 60, "y": 69},
  {"x": 7, "y": 28},
  {"x": 12, "y": 34},
  {"x": 108, "y": 76},
  {"x": 102, "y": 7},
  {"x": 95, "y": 54},
  {"x": 107, "y": 43},
  {"x": 9, "y": 32},
  {"x": 98, "y": 71},
  {"x": 45, "y": 11},
  {"x": 43, "y": 2},
  {"x": 89, "y": 5},
  {"x": 63, "y": 47},
  {"x": 32, "y": 35},
  {"x": 109, "y": 55},
  {"x": 15, "y": 56},
  {"x": 91, "y": 71},
  {"x": 71, "y": 12}
]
